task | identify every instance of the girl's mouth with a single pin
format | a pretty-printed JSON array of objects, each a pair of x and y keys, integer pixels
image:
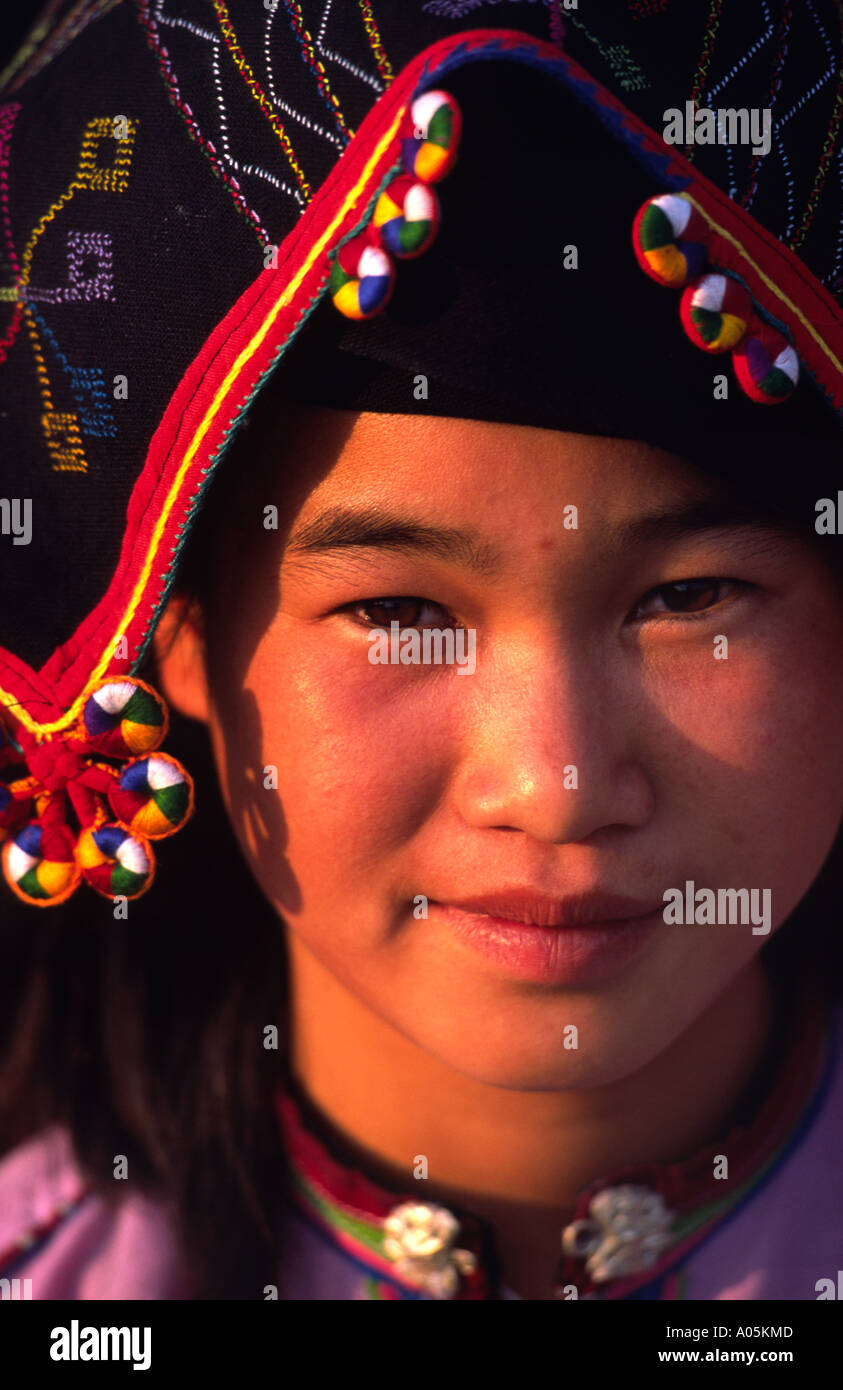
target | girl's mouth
[{"x": 552, "y": 941}]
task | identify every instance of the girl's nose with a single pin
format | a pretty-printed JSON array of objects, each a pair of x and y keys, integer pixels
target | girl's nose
[{"x": 552, "y": 745}]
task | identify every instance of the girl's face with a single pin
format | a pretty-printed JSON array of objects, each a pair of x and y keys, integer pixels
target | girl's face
[{"x": 702, "y": 719}]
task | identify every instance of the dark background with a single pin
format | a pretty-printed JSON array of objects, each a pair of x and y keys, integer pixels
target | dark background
[{"x": 18, "y": 17}]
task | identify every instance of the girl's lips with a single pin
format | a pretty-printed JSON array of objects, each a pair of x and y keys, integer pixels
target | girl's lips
[
  {"x": 535, "y": 909},
  {"x": 559, "y": 955}
]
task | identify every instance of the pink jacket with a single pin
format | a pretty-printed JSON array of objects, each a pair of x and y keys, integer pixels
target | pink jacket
[{"x": 777, "y": 1233}]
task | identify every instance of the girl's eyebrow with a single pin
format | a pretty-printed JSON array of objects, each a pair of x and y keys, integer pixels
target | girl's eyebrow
[
  {"x": 340, "y": 528},
  {"x": 343, "y": 528},
  {"x": 718, "y": 514}
]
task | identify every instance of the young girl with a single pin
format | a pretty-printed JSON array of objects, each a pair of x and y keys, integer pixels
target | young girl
[{"x": 500, "y": 965}]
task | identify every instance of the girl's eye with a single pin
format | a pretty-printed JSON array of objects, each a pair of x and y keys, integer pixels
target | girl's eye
[
  {"x": 406, "y": 611},
  {"x": 691, "y": 596}
]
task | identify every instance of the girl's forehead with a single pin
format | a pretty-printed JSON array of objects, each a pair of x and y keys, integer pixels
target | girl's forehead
[{"x": 442, "y": 464}]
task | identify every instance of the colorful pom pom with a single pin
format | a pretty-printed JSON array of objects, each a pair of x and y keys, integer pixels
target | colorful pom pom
[
  {"x": 715, "y": 312},
  {"x": 407, "y": 213},
  {"x": 113, "y": 861},
  {"x": 766, "y": 366},
  {"x": 67, "y": 814},
  {"x": 430, "y": 149},
  {"x": 39, "y": 866},
  {"x": 669, "y": 237},
  {"x": 362, "y": 278},
  {"x": 124, "y": 716},
  {"x": 153, "y": 796}
]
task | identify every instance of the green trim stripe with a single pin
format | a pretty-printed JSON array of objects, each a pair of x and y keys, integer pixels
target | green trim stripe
[{"x": 367, "y": 1233}]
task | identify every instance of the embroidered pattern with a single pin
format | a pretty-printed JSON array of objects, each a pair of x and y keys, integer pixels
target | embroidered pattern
[
  {"x": 384, "y": 65},
  {"x": 781, "y": 57},
  {"x": 791, "y": 33},
  {"x": 826, "y": 157},
  {"x": 705, "y": 58},
  {"x": 63, "y": 430},
  {"x": 260, "y": 97},
  {"x": 43, "y": 728},
  {"x": 317, "y": 67},
  {"x": 207, "y": 147},
  {"x": 88, "y": 388}
]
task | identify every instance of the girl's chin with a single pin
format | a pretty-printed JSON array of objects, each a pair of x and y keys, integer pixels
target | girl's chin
[{"x": 581, "y": 1048}]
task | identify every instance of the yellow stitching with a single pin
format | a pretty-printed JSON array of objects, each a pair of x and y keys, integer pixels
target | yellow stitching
[
  {"x": 767, "y": 281},
  {"x": 88, "y": 175},
  {"x": 375, "y": 42},
  {"x": 65, "y": 460},
  {"x": 70, "y": 715},
  {"x": 26, "y": 258},
  {"x": 315, "y": 64},
  {"x": 40, "y": 363},
  {"x": 68, "y": 455},
  {"x": 113, "y": 178}
]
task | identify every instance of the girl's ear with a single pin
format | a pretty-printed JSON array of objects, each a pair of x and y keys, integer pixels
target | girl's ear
[{"x": 179, "y": 645}]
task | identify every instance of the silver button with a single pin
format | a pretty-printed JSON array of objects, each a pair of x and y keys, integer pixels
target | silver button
[
  {"x": 625, "y": 1232},
  {"x": 419, "y": 1239}
]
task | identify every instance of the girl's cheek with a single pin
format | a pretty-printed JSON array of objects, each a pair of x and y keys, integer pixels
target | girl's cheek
[
  {"x": 361, "y": 749},
  {"x": 758, "y": 767},
  {"x": 761, "y": 702}
]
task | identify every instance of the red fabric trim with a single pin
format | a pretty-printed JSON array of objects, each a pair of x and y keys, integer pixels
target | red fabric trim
[
  {"x": 30, "y": 688},
  {"x": 344, "y": 1184}
]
